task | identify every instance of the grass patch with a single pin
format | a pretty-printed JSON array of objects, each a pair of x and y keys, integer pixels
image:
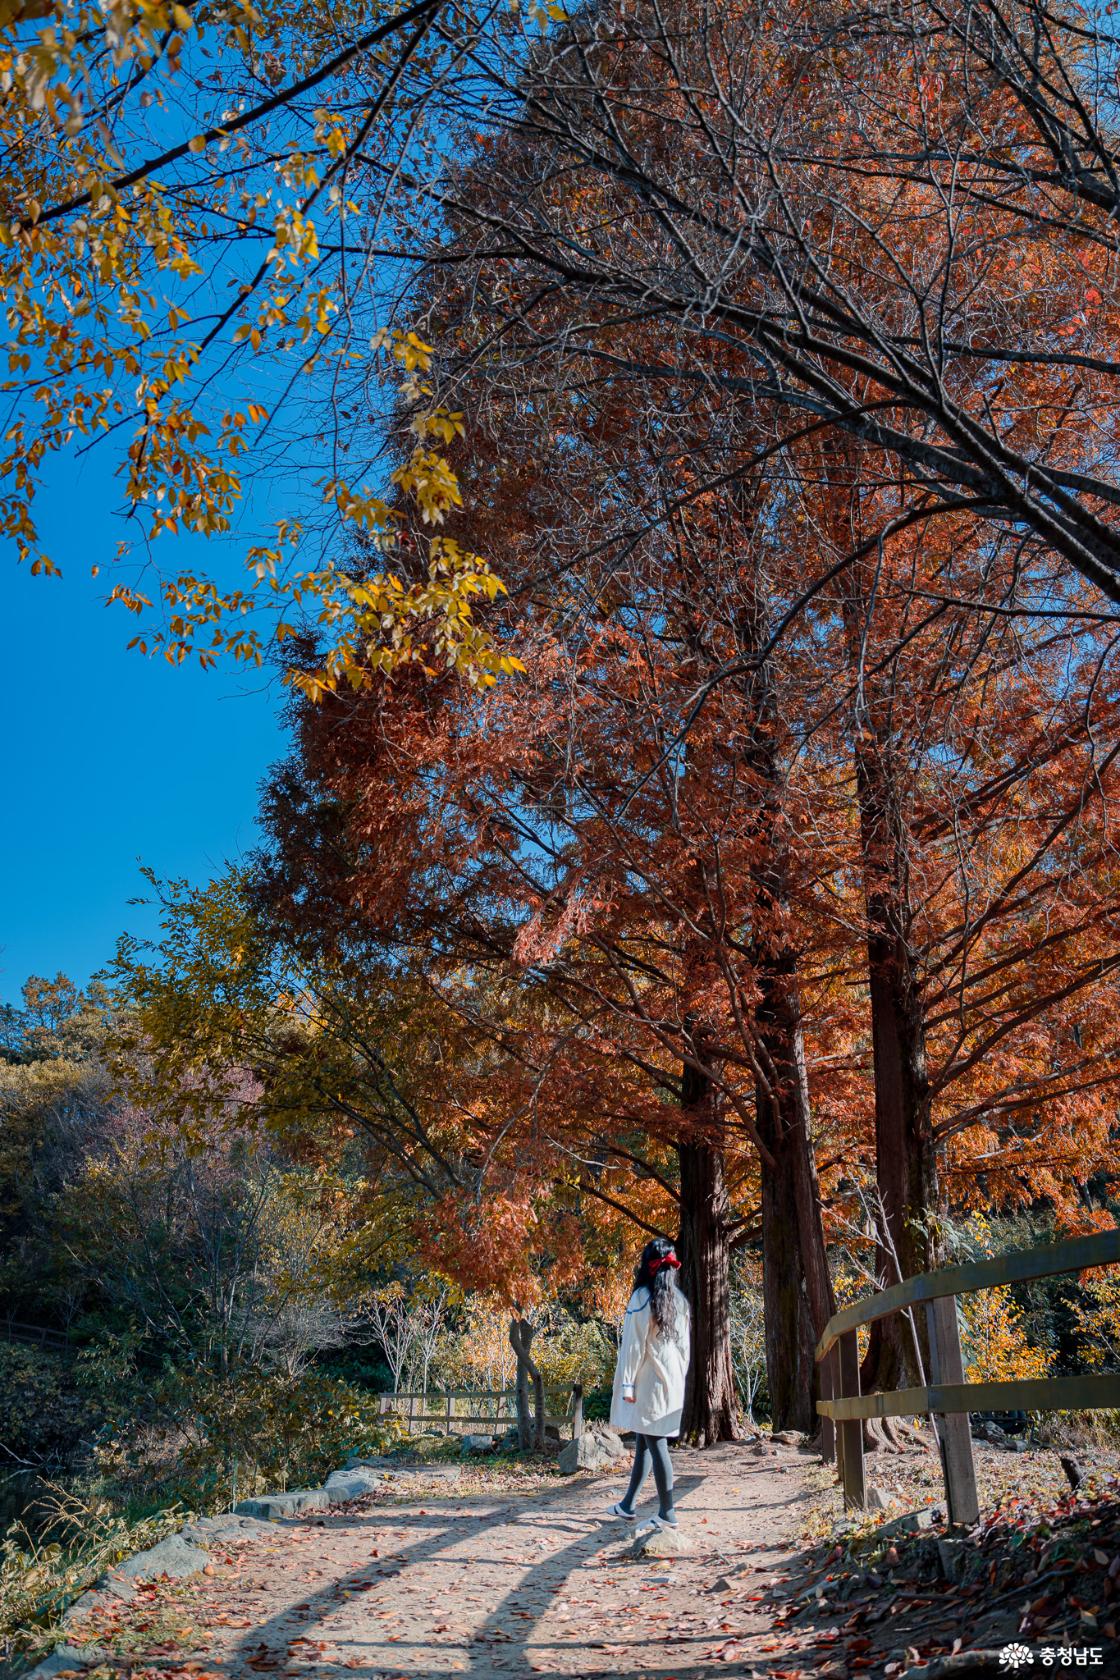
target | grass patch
[{"x": 75, "y": 1540}]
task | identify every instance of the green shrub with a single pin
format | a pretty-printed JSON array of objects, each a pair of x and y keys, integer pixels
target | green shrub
[
  {"x": 40, "y": 1577},
  {"x": 42, "y": 1413},
  {"x": 223, "y": 1438},
  {"x": 597, "y": 1405}
]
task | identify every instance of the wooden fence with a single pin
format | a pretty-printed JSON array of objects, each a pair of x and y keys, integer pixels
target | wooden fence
[
  {"x": 947, "y": 1398},
  {"x": 35, "y": 1335},
  {"x": 438, "y": 1409}
]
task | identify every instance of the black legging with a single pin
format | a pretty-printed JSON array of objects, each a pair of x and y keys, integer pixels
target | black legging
[{"x": 652, "y": 1449}]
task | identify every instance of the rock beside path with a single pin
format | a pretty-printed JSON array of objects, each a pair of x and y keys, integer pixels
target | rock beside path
[
  {"x": 389, "y": 1467},
  {"x": 63, "y": 1659},
  {"x": 174, "y": 1557},
  {"x": 610, "y": 1438},
  {"x": 270, "y": 1507},
  {"x": 343, "y": 1485},
  {"x": 661, "y": 1543},
  {"x": 598, "y": 1448},
  {"x": 207, "y": 1531}
]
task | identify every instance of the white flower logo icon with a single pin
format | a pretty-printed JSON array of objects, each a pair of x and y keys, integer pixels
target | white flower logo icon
[{"x": 1016, "y": 1656}]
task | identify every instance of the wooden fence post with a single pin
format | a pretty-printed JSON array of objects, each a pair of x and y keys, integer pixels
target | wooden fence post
[
  {"x": 447, "y": 1431},
  {"x": 954, "y": 1434},
  {"x": 851, "y": 1433},
  {"x": 577, "y": 1411},
  {"x": 828, "y": 1392}
]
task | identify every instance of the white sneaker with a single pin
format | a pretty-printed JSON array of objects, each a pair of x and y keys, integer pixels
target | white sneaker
[
  {"x": 653, "y": 1523},
  {"x": 619, "y": 1510}
]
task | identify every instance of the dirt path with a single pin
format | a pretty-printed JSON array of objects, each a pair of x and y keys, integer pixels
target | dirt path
[{"x": 451, "y": 1577}]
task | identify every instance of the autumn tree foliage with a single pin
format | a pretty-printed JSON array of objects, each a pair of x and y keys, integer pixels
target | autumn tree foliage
[
  {"x": 989, "y": 903},
  {"x": 188, "y": 273},
  {"x": 657, "y": 225},
  {"x": 338, "y": 1053},
  {"x": 791, "y": 812},
  {"x": 772, "y": 901},
  {"x": 893, "y": 232}
]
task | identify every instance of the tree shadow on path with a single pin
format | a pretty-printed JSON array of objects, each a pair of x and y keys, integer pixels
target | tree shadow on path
[
  {"x": 622, "y": 1641},
  {"x": 497, "y": 1585}
]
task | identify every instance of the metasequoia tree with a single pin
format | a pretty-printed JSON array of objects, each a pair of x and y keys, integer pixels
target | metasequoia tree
[
  {"x": 520, "y": 812},
  {"x": 897, "y": 231},
  {"x": 790, "y": 851},
  {"x": 649, "y": 896},
  {"x": 652, "y": 175},
  {"x": 983, "y": 794}
]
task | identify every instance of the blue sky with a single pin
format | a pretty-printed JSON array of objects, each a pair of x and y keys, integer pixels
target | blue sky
[{"x": 111, "y": 760}]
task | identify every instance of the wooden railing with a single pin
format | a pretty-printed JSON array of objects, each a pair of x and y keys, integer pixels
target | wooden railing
[
  {"x": 35, "y": 1335},
  {"x": 439, "y": 1407},
  {"x": 946, "y": 1397}
]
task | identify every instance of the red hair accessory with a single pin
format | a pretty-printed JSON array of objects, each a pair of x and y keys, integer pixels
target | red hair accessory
[{"x": 666, "y": 1260}]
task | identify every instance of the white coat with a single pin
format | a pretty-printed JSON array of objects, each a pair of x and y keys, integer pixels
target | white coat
[{"x": 651, "y": 1367}]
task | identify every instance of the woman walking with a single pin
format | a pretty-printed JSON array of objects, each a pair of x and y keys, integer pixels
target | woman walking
[{"x": 649, "y": 1377}]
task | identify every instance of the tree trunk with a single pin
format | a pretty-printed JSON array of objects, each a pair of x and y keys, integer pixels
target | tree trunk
[
  {"x": 905, "y": 1151},
  {"x": 905, "y": 1154},
  {"x": 795, "y": 1264},
  {"x": 788, "y": 1324},
  {"x": 796, "y": 1281},
  {"x": 530, "y": 1427},
  {"x": 710, "y": 1408}
]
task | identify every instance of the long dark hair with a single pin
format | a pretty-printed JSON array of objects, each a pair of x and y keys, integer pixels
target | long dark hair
[{"x": 665, "y": 1301}]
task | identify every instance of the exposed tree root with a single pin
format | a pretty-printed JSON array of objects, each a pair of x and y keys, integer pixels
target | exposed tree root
[{"x": 881, "y": 1435}]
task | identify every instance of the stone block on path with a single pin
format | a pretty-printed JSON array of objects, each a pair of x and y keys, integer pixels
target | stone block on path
[
  {"x": 428, "y": 1472},
  {"x": 596, "y": 1449},
  {"x": 661, "y": 1543},
  {"x": 586, "y": 1452},
  {"x": 174, "y": 1556},
  {"x": 341, "y": 1486},
  {"x": 108, "y": 1591},
  {"x": 94, "y": 1598},
  {"x": 226, "y": 1529},
  {"x": 610, "y": 1439},
  {"x": 270, "y": 1507},
  {"x": 954, "y": 1555}
]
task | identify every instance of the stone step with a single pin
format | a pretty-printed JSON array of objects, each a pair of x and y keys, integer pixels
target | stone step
[
  {"x": 343, "y": 1485},
  {"x": 271, "y": 1507}
]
